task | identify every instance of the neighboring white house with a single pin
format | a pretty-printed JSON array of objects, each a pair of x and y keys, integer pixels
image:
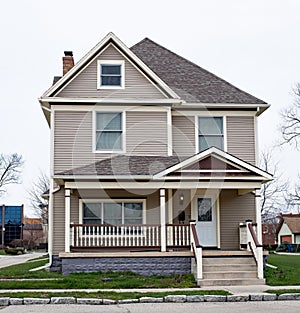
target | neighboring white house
[{"x": 289, "y": 230}]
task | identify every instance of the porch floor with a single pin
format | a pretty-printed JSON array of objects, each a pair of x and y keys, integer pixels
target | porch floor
[{"x": 123, "y": 254}]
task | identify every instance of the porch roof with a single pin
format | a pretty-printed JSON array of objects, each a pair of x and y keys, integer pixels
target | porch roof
[{"x": 211, "y": 164}]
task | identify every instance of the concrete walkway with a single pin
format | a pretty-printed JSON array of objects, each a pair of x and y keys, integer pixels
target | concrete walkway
[
  {"x": 235, "y": 290},
  {"x": 8, "y": 260}
]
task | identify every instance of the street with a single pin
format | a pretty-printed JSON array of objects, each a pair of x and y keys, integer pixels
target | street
[
  {"x": 7, "y": 260},
  {"x": 225, "y": 307}
]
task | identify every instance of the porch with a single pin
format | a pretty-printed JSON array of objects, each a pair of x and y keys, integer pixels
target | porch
[
  {"x": 135, "y": 237},
  {"x": 139, "y": 248}
]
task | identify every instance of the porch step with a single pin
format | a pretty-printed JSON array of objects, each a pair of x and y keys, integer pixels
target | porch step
[
  {"x": 230, "y": 275},
  {"x": 231, "y": 282},
  {"x": 226, "y": 268},
  {"x": 229, "y": 267}
]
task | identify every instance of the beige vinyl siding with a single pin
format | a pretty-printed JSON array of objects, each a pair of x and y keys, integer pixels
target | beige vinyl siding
[
  {"x": 183, "y": 132},
  {"x": 241, "y": 137},
  {"x": 146, "y": 133},
  {"x": 59, "y": 221},
  {"x": 73, "y": 140},
  {"x": 234, "y": 209},
  {"x": 136, "y": 85}
]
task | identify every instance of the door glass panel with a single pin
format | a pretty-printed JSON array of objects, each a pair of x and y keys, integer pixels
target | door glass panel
[{"x": 204, "y": 210}]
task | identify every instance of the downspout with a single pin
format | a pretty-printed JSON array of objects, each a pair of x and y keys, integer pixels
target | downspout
[{"x": 50, "y": 227}]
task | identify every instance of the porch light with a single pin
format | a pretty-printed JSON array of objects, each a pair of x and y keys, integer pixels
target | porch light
[{"x": 181, "y": 198}]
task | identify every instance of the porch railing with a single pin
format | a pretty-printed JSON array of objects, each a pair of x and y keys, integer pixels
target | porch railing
[
  {"x": 125, "y": 236},
  {"x": 197, "y": 250},
  {"x": 256, "y": 248}
]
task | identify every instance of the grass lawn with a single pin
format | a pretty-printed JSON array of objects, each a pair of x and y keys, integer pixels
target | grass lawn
[
  {"x": 87, "y": 280},
  {"x": 2, "y": 252},
  {"x": 92, "y": 281},
  {"x": 287, "y": 273},
  {"x": 110, "y": 294}
]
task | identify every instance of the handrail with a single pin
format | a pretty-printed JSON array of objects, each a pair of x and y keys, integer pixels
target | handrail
[
  {"x": 197, "y": 251},
  {"x": 256, "y": 249},
  {"x": 253, "y": 234},
  {"x": 196, "y": 240}
]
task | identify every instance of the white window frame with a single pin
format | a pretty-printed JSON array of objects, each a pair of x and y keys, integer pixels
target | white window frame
[
  {"x": 224, "y": 123},
  {"x": 143, "y": 201},
  {"x": 111, "y": 62},
  {"x": 123, "y": 141}
]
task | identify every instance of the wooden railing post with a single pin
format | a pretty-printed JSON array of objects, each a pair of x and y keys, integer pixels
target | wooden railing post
[{"x": 163, "y": 242}]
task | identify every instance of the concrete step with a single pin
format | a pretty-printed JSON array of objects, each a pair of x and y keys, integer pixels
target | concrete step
[
  {"x": 230, "y": 275},
  {"x": 228, "y": 267},
  {"x": 231, "y": 282},
  {"x": 228, "y": 260}
]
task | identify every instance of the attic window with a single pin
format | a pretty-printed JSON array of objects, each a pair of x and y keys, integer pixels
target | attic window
[{"x": 110, "y": 74}]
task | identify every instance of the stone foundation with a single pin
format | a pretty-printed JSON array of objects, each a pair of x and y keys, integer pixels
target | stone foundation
[
  {"x": 142, "y": 265},
  {"x": 56, "y": 265}
]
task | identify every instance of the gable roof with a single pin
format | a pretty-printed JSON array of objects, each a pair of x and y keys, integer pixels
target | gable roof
[
  {"x": 79, "y": 66},
  {"x": 191, "y": 82},
  {"x": 293, "y": 222},
  {"x": 241, "y": 166}
]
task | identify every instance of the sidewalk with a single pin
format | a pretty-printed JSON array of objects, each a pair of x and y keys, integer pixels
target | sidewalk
[
  {"x": 7, "y": 260},
  {"x": 235, "y": 290}
]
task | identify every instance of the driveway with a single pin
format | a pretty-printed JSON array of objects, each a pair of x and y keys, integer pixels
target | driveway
[{"x": 7, "y": 260}]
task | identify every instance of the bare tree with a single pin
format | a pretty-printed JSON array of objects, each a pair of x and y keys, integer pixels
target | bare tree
[
  {"x": 293, "y": 198},
  {"x": 290, "y": 127},
  {"x": 38, "y": 198},
  {"x": 10, "y": 170},
  {"x": 273, "y": 193}
]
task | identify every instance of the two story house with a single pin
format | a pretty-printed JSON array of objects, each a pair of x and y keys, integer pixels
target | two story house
[{"x": 153, "y": 167}]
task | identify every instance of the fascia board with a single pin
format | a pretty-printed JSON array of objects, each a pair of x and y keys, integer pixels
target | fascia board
[
  {"x": 260, "y": 108},
  {"x": 109, "y": 101},
  {"x": 92, "y": 52},
  {"x": 219, "y": 153}
]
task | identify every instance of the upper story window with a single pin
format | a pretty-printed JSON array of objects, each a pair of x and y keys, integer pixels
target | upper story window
[
  {"x": 109, "y": 131},
  {"x": 210, "y": 133},
  {"x": 110, "y": 74}
]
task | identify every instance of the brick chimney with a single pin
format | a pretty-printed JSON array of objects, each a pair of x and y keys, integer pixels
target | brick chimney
[{"x": 68, "y": 61}]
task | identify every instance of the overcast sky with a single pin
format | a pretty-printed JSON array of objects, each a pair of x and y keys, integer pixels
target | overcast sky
[{"x": 253, "y": 44}]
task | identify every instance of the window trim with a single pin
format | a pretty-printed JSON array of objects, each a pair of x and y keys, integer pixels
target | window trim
[
  {"x": 224, "y": 130},
  {"x": 123, "y": 140},
  {"x": 110, "y": 62},
  {"x": 101, "y": 200}
]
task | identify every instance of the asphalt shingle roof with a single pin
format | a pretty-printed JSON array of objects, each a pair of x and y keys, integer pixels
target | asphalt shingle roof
[
  {"x": 293, "y": 222},
  {"x": 125, "y": 165},
  {"x": 191, "y": 82}
]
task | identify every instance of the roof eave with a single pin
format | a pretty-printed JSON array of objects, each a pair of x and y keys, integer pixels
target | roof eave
[{"x": 260, "y": 108}]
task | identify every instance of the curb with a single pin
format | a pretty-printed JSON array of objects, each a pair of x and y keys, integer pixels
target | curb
[{"x": 6, "y": 301}]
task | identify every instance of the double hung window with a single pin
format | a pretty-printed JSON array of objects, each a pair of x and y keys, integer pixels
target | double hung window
[
  {"x": 210, "y": 133},
  {"x": 110, "y": 74},
  {"x": 109, "y": 131}
]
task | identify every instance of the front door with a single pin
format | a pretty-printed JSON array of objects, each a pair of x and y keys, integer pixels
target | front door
[{"x": 206, "y": 221}]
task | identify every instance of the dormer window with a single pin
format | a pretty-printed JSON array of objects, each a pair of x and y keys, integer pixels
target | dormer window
[{"x": 110, "y": 74}]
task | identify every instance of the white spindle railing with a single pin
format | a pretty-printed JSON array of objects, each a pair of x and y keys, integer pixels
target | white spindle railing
[{"x": 145, "y": 235}]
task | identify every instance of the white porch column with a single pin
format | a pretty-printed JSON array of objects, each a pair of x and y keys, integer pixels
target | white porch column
[
  {"x": 67, "y": 219},
  {"x": 170, "y": 206},
  {"x": 260, "y": 265},
  {"x": 163, "y": 244}
]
